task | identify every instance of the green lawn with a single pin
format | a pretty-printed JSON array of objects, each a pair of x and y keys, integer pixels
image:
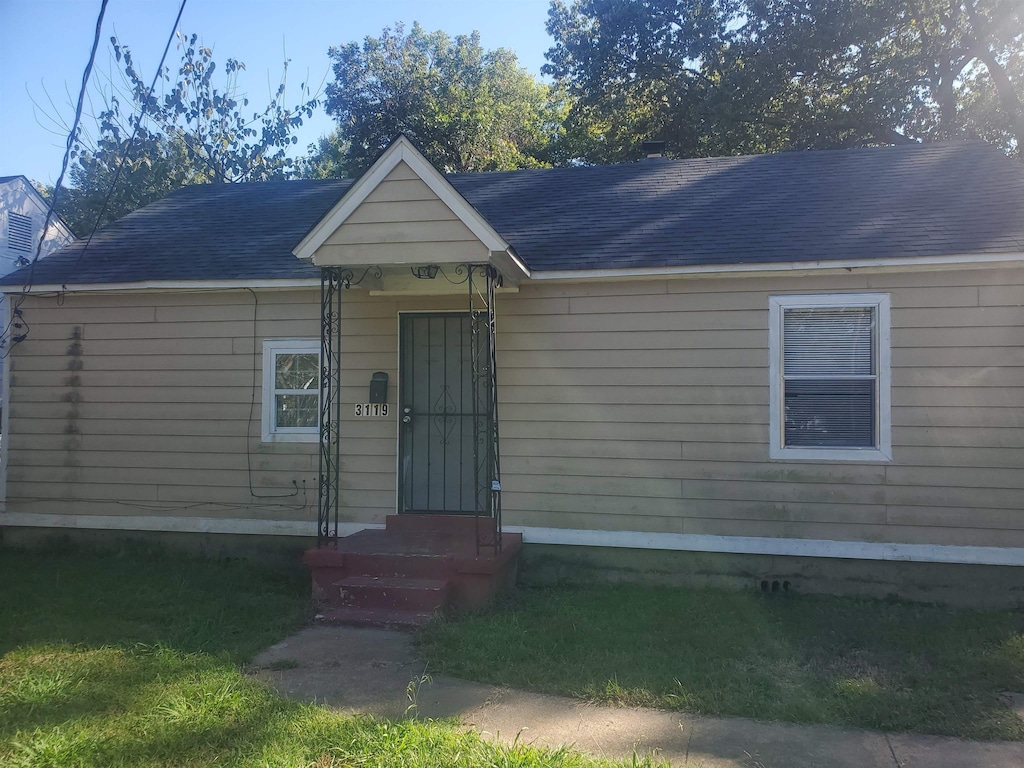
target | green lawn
[
  {"x": 808, "y": 659},
  {"x": 135, "y": 660}
]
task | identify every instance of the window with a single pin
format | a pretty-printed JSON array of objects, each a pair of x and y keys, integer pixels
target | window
[
  {"x": 291, "y": 390},
  {"x": 830, "y": 377},
  {"x": 19, "y": 232}
]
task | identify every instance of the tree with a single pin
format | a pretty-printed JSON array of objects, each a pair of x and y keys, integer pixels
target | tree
[
  {"x": 728, "y": 76},
  {"x": 466, "y": 108},
  {"x": 192, "y": 133}
]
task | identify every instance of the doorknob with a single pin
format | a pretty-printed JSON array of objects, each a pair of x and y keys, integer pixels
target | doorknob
[{"x": 407, "y": 419}]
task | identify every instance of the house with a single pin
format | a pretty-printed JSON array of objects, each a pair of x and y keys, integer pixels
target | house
[{"x": 797, "y": 370}]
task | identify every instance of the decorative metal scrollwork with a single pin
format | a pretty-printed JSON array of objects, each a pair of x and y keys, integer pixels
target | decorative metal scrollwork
[{"x": 348, "y": 277}]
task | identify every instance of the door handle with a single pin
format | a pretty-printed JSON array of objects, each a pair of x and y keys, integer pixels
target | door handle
[{"x": 407, "y": 419}]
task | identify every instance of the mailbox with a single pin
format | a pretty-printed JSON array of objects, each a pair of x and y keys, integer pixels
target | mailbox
[{"x": 379, "y": 387}]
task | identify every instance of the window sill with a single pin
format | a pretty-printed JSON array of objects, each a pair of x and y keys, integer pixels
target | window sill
[
  {"x": 830, "y": 454},
  {"x": 292, "y": 437}
]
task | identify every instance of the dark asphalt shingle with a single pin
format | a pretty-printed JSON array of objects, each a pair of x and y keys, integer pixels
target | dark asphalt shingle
[{"x": 928, "y": 200}]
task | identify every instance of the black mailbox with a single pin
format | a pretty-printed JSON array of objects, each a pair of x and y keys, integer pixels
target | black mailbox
[{"x": 379, "y": 387}]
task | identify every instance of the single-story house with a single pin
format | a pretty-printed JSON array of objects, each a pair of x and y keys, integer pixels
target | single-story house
[{"x": 795, "y": 369}]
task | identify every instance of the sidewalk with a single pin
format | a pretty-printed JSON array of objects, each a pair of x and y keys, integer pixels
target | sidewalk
[{"x": 370, "y": 670}]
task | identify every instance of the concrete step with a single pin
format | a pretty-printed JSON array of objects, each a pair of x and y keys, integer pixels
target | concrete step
[
  {"x": 390, "y": 593},
  {"x": 365, "y": 617}
]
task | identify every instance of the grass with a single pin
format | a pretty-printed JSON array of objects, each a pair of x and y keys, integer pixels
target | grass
[
  {"x": 135, "y": 659},
  {"x": 805, "y": 659}
]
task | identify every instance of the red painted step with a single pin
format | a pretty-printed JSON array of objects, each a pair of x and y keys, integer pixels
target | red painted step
[
  {"x": 409, "y": 566},
  {"x": 416, "y": 564},
  {"x": 391, "y": 593}
]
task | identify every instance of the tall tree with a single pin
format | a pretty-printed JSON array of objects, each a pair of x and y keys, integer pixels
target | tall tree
[
  {"x": 196, "y": 131},
  {"x": 730, "y": 76},
  {"x": 467, "y": 109}
]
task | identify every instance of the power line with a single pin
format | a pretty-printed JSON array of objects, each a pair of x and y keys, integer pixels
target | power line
[
  {"x": 127, "y": 146},
  {"x": 72, "y": 135}
]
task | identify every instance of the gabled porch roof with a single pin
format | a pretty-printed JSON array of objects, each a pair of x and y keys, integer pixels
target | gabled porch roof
[{"x": 402, "y": 213}]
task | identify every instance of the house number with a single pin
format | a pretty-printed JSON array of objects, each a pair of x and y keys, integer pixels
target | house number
[{"x": 371, "y": 409}]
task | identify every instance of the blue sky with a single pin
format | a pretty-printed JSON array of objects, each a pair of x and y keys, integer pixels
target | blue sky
[{"x": 44, "y": 45}]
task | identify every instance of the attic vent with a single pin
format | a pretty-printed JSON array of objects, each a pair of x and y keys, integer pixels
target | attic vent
[{"x": 19, "y": 232}]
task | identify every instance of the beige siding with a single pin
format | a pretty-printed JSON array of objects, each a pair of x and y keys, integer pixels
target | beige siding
[
  {"x": 644, "y": 406},
  {"x": 401, "y": 221},
  {"x": 139, "y": 404},
  {"x": 623, "y": 405}
]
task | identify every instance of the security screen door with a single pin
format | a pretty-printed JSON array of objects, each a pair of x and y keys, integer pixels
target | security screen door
[{"x": 438, "y": 430}]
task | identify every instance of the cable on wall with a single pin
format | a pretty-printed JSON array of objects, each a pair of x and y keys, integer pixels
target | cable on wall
[{"x": 252, "y": 410}]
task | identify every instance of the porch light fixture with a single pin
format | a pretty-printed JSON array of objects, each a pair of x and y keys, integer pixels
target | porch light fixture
[{"x": 427, "y": 272}]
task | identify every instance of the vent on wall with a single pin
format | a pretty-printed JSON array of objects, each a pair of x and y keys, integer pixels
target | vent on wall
[{"x": 19, "y": 232}]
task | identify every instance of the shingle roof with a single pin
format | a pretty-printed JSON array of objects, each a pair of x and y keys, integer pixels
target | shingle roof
[{"x": 922, "y": 200}]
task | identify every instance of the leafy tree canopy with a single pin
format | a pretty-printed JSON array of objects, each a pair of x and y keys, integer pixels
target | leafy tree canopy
[
  {"x": 728, "y": 76},
  {"x": 466, "y": 108},
  {"x": 197, "y": 131}
]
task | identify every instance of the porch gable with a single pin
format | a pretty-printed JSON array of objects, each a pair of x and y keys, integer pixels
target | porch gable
[{"x": 403, "y": 213}]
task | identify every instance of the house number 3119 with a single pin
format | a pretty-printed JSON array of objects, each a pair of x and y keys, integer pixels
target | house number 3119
[{"x": 371, "y": 409}]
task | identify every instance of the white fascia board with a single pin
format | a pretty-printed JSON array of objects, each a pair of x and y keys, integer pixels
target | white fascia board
[
  {"x": 170, "y": 285},
  {"x": 569, "y": 275},
  {"x": 509, "y": 263},
  {"x": 678, "y": 542},
  {"x": 401, "y": 149},
  {"x": 757, "y": 270}
]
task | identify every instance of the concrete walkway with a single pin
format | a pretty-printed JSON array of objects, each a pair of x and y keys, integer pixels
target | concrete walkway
[{"x": 370, "y": 670}]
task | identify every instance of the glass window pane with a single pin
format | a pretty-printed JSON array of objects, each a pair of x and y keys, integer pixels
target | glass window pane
[
  {"x": 298, "y": 410},
  {"x": 297, "y": 371},
  {"x": 829, "y": 341},
  {"x": 830, "y": 413}
]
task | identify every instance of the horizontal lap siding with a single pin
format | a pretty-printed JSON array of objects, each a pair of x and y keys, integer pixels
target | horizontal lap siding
[
  {"x": 644, "y": 406},
  {"x": 139, "y": 404},
  {"x": 623, "y": 406}
]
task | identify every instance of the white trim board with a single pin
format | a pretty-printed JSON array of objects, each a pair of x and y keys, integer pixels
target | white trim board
[
  {"x": 169, "y": 524},
  {"x": 678, "y": 542},
  {"x": 928, "y": 263},
  {"x": 170, "y": 285}
]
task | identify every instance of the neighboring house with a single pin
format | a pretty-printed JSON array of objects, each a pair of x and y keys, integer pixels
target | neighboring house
[
  {"x": 789, "y": 363},
  {"x": 22, "y": 215}
]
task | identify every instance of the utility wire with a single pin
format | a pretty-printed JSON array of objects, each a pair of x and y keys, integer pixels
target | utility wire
[
  {"x": 127, "y": 146},
  {"x": 72, "y": 135}
]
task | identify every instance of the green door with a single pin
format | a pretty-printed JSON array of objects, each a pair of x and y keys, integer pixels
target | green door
[{"x": 437, "y": 437}]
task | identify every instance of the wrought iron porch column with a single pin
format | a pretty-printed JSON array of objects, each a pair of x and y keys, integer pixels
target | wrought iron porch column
[
  {"x": 482, "y": 280},
  {"x": 331, "y": 282}
]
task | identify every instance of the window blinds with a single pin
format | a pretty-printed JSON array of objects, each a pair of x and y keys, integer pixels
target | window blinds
[{"x": 830, "y": 376}]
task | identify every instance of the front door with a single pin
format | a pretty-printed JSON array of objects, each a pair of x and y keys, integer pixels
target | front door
[{"x": 438, "y": 446}]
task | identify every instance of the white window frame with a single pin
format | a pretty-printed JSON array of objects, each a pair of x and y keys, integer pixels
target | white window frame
[
  {"x": 271, "y": 432},
  {"x": 777, "y": 420}
]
